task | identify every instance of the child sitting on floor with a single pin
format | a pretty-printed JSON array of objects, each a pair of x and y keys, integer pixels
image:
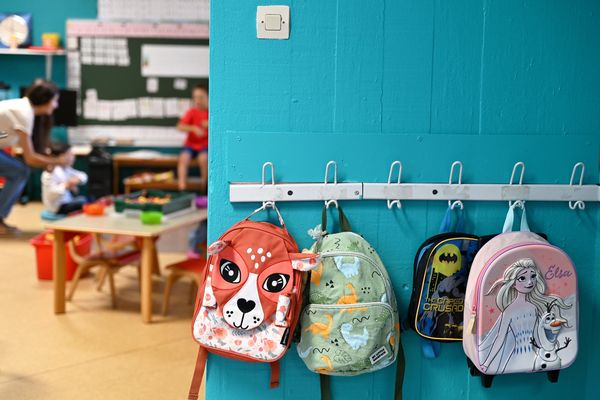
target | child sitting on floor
[{"x": 60, "y": 183}]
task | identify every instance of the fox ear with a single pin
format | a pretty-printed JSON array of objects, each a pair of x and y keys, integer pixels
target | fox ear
[
  {"x": 304, "y": 261},
  {"x": 217, "y": 247}
]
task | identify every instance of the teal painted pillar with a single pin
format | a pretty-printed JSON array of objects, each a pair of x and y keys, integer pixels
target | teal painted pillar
[{"x": 487, "y": 82}]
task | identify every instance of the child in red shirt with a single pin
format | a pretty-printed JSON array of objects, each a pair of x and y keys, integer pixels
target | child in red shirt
[{"x": 195, "y": 123}]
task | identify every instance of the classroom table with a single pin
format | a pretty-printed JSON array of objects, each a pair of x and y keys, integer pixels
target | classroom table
[{"x": 116, "y": 224}]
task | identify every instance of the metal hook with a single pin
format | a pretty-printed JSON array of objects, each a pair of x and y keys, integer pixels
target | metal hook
[
  {"x": 456, "y": 203},
  {"x": 512, "y": 178},
  {"x": 390, "y": 203},
  {"x": 334, "y": 171},
  {"x": 579, "y": 204},
  {"x": 264, "y": 167},
  {"x": 519, "y": 203},
  {"x": 267, "y": 204},
  {"x": 329, "y": 202}
]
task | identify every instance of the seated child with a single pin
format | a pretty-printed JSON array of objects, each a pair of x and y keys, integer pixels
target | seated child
[
  {"x": 195, "y": 123},
  {"x": 197, "y": 241},
  {"x": 60, "y": 183}
]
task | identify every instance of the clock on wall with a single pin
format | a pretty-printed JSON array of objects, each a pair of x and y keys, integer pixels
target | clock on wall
[{"x": 15, "y": 30}]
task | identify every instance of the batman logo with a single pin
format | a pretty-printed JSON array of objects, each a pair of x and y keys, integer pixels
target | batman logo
[
  {"x": 448, "y": 257},
  {"x": 447, "y": 260}
]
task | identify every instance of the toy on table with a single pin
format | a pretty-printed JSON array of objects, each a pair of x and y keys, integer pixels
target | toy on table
[
  {"x": 151, "y": 217},
  {"x": 201, "y": 201},
  {"x": 94, "y": 209},
  {"x": 154, "y": 200}
]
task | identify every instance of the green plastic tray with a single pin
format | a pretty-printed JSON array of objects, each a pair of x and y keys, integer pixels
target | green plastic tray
[{"x": 179, "y": 201}]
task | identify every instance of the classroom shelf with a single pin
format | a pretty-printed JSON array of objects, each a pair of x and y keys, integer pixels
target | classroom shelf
[{"x": 37, "y": 52}]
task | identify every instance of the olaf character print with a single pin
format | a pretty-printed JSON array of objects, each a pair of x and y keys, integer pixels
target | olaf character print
[{"x": 531, "y": 329}]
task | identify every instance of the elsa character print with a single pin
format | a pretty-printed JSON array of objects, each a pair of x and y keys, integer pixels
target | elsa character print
[{"x": 521, "y": 300}]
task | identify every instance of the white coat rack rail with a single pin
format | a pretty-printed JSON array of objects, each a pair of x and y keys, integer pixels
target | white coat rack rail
[{"x": 575, "y": 193}]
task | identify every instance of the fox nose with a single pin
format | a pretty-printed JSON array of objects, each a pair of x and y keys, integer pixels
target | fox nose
[{"x": 245, "y": 306}]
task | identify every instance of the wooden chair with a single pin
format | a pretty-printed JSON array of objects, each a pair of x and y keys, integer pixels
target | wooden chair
[
  {"x": 110, "y": 257},
  {"x": 193, "y": 268}
]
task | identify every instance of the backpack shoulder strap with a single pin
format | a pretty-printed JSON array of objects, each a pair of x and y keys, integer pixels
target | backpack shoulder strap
[
  {"x": 198, "y": 374},
  {"x": 275, "y": 373},
  {"x": 399, "y": 372},
  {"x": 325, "y": 387}
]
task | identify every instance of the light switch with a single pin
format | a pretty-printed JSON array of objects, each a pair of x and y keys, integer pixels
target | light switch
[{"x": 273, "y": 22}]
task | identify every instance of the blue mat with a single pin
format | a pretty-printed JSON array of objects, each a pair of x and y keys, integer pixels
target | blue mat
[{"x": 48, "y": 215}]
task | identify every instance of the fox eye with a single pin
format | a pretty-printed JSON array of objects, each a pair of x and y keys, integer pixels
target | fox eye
[
  {"x": 230, "y": 271},
  {"x": 276, "y": 282}
]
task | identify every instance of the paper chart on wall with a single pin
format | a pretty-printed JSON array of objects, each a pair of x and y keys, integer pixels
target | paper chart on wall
[
  {"x": 175, "y": 61},
  {"x": 105, "y": 51},
  {"x": 154, "y": 10},
  {"x": 126, "y": 109}
]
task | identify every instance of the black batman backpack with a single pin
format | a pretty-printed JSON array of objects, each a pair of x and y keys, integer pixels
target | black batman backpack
[{"x": 441, "y": 269}]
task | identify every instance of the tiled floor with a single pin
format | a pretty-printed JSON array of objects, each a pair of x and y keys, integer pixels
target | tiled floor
[{"x": 92, "y": 351}]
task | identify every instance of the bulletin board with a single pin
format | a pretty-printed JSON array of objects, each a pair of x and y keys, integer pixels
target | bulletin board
[{"x": 136, "y": 75}]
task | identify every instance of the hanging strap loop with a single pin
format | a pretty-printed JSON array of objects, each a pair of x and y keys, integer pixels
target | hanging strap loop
[
  {"x": 344, "y": 223},
  {"x": 266, "y": 205},
  {"x": 448, "y": 226},
  {"x": 510, "y": 218}
]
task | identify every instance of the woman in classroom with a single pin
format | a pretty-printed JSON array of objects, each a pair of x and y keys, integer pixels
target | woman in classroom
[{"x": 16, "y": 127}]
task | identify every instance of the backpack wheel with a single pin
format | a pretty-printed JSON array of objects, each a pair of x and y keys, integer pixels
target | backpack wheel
[
  {"x": 486, "y": 380},
  {"x": 470, "y": 363},
  {"x": 553, "y": 376}
]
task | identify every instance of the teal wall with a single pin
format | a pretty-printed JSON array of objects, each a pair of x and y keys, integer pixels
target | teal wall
[{"x": 426, "y": 82}]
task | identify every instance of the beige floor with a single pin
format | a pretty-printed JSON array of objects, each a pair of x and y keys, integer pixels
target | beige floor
[{"x": 92, "y": 351}]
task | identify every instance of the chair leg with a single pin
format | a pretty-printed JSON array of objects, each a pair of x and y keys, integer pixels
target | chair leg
[
  {"x": 193, "y": 292},
  {"x": 81, "y": 268},
  {"x": 173, "y": 277},
  {"x": 101, "y": 278},
  {"x": 111, "y": 281},
  {"x": 139, "y": 274},
  {"x": 155, "y": 264}
]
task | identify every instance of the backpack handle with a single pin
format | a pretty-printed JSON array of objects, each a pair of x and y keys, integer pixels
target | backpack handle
[
  {"x": 510, "y": 218},
  {"x": 447, "y": 225},
  {"x": 268, "y": 204},
  {"x": 344, "y": 223}
]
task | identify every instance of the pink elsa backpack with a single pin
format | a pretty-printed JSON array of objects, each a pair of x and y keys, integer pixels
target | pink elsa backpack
[{"x": 521, "y": 310}]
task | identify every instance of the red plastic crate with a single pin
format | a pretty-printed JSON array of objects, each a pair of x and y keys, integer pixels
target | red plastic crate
[{"x": 44, "y": 247}]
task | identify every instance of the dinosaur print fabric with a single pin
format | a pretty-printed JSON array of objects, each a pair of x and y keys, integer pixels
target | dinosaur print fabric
[
  {"x": 350, "y": 325},
  {"x": 340, "y": 339}
]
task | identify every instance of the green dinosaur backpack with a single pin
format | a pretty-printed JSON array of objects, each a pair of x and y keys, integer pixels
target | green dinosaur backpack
[{"x": 349, "y": 325}]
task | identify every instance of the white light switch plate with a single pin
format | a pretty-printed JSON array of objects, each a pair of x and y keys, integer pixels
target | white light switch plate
[{"x": 270, "y": 14}]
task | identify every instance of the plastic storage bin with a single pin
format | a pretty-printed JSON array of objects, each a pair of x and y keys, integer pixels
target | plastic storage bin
[
  {"x": 44, "y": 247},
  {"x": 178, "y": 201}
]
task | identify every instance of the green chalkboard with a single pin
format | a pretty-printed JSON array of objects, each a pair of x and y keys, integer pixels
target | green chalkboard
[{"x": 118, "y": 82}]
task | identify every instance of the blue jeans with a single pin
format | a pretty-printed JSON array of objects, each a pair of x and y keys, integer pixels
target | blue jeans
[{"x": 15, "y": 175}]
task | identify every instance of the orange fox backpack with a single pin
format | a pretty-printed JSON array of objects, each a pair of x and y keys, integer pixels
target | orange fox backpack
[{"x": 250, "y": 301}]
